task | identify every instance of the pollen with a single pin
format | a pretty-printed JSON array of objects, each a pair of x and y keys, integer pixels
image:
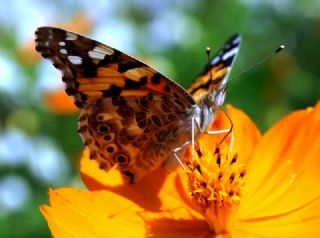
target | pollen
[{"x": 216, "y": 181}]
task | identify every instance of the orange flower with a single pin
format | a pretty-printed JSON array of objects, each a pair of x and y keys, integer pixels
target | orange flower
[
  {"x": 59, "y": 102},
  {"x": 266, "y": 187}
]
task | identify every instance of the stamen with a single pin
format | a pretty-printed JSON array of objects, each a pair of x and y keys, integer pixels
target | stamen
[
  {"x": 218, "y": 160},
  {"x": 198, "y": 150},
  {"x": 216, "y": 185},
  {"x": 234, "y": 159}
]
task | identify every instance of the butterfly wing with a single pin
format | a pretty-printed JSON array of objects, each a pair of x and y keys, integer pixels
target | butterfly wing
[
  {"x": 215, "y": 75},
  {"x": 136, "y": 133},
  {"x": 131, "y": 114},
  {"x": 92, "y": 70}
]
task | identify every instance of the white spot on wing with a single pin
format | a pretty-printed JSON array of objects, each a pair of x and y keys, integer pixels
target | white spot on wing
[
  {"x": 63, "y": 51},
  {"x": 100, "y": 52},
  {"x": 236, "y": 40},
  {"x": 62, "y": 43},
  {"x": 75, "y": 59},
  {"x": 71, "y": 36},
  {"x": 96, "y": 55},
  {"x": 215, "y": 60},
  {"x": 230, "y": 53},
  {"x": 104, "y": 50}
]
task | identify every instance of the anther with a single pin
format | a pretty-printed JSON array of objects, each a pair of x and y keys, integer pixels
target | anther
[
  {"x": 243, "y": 173},
  {"x": 198, "y": 168},
  {"x": 234, "y": 159},
  {"x": 198, "y": 150},
  {"x": 232, "y": 176},
  {"x": 219, "y": 160}
]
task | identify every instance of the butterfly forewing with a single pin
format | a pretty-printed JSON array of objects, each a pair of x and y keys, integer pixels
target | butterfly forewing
[
  {"x": 92, "y": 70},
  {"x": 220, "y": 67}
]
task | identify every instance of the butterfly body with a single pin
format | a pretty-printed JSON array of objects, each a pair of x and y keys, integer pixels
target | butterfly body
[{"x": 132, "y": 116}]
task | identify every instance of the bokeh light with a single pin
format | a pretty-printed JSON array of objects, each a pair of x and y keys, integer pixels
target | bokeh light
[{"x": 15, "y": 191}]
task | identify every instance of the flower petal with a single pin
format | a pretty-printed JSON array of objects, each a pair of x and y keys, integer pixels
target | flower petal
[
  {"x": 144, "y": 192},
  {"x": 284, "y": 174},
  {"x": 76, "y": 213},
  {"x": 169, "y": 227},
  {"x": 150, "y": 192},
  {"x": 246, "y": 134},
  {"x": 178, "y": 217},
  {"x": 301, "y": 222},
  {"x": 96, "y": 178}
]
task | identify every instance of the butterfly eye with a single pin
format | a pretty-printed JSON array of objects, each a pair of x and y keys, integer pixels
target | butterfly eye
[{"x": 210, "y": 99}]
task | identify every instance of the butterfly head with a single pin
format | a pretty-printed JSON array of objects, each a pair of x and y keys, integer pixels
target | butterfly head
[
  {"x": 214, "y": 98},
  {"x": 208, "y": 105}
]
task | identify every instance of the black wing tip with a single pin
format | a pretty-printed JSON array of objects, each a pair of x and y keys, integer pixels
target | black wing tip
[
  {"x": 235, "y": 39},
  {"x": 42, "y": 30},
  {"x": 46, "y": 28},
  {"x": 42, "y": 33},
  {"x": 45, "y": 31},
  {"x": 41, "y": 37},
  {"x": 235, "y": 35}
]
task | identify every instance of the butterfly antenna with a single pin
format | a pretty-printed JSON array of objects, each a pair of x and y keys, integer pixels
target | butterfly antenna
[
  {"x": 279, "y": 49},
  {"x": 208, "y": 53}
]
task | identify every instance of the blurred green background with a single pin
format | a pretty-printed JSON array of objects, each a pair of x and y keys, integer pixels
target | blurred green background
[{"x": 40, "y": 148}]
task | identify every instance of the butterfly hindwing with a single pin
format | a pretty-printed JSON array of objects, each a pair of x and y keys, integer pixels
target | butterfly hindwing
[
  {"x": 92, "y": 70},
  {"x": 220, "y": 67},
  {"x": 135, "y": 133}
]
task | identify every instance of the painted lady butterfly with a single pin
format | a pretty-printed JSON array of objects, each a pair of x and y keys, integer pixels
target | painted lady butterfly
[{"x": 132, "y": 115}]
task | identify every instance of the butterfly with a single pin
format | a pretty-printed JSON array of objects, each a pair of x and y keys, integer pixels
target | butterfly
[{"x": 132, "y": 116}]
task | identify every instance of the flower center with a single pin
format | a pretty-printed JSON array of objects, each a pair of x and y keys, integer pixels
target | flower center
[{"x": 216, "y": 183}]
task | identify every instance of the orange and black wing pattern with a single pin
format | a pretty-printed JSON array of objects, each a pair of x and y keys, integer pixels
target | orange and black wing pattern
[
  {"x": 92, "y": 70},
  {"x": 215, "y": 74}
]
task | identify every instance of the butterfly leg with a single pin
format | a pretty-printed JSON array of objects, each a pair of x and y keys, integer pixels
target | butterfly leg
[
  {"x": 194, "y": 125},
  {"x": 192, "y": 136},
  {"x": 227, "y": 131},
  {"x": 176, "y": 150}
]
